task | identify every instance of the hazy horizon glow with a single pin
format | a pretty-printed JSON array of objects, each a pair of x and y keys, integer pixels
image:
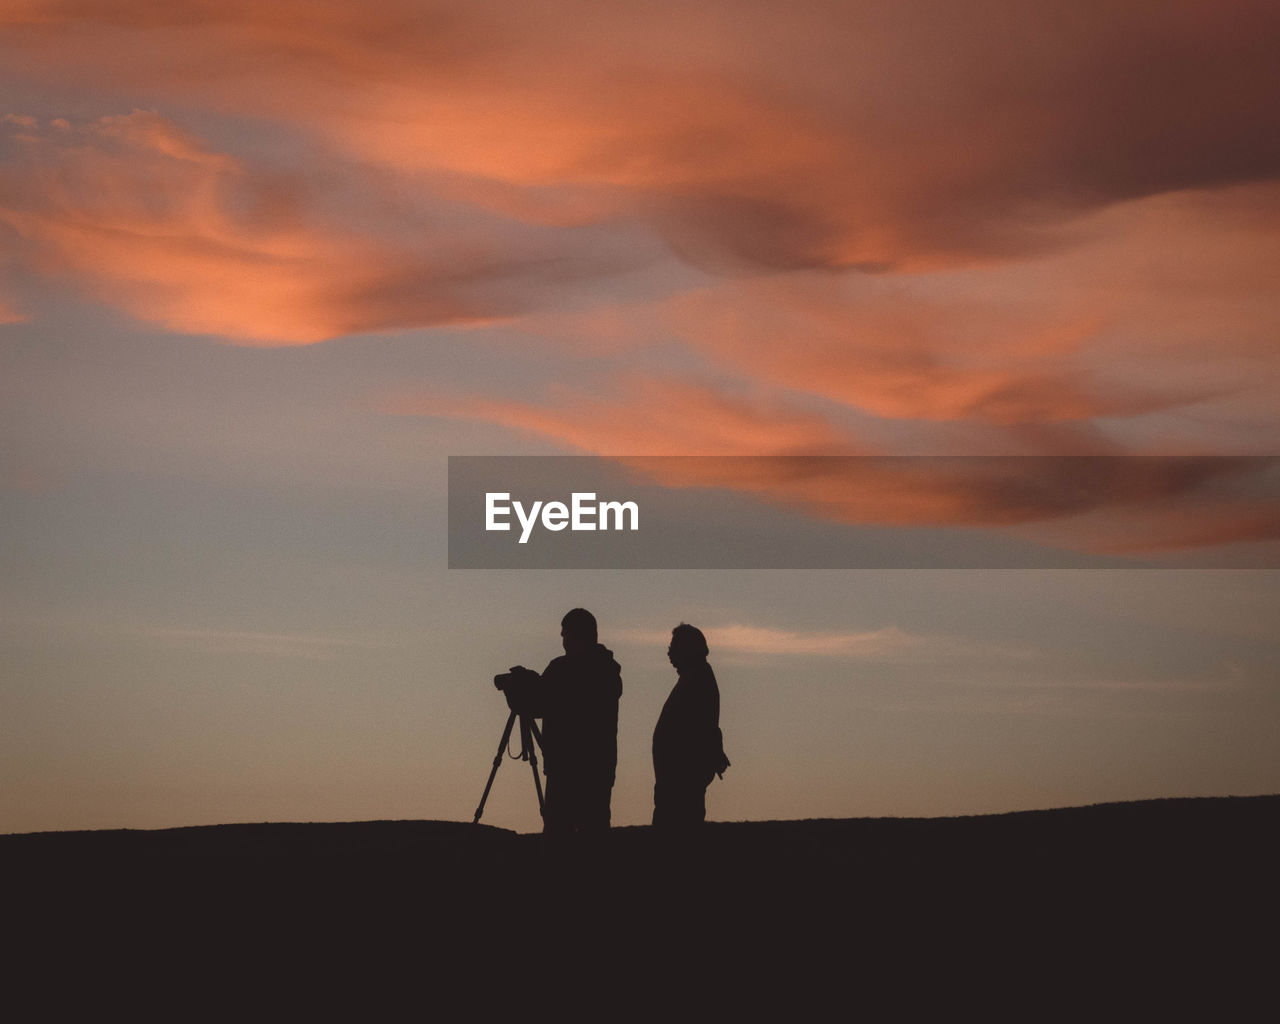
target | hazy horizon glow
[{"x": 265, "y": 267}]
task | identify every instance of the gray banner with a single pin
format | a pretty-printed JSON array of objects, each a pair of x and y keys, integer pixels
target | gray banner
[{"x": 863, "y": 512}]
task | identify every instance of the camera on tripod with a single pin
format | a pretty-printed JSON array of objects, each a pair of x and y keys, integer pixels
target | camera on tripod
[{"x": 515, "y": 686}]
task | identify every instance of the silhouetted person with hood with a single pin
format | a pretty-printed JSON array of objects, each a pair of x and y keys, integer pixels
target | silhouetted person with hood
[
  {"x": 688, "y": 748},
  {"x": 577, "y": 699}
]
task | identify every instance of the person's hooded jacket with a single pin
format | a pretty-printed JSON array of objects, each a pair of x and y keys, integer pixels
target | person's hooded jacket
[
  {"x": 687, "y": 743},
  {"x": 577, "y": 700}
]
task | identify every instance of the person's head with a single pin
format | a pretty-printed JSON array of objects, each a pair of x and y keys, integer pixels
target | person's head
[
  {"x": 688, "y": 646},
  {"x": 578, "y": 631}
]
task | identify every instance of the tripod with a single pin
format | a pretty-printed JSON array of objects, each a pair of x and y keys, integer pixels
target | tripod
[{"x": 530, "y": 740}]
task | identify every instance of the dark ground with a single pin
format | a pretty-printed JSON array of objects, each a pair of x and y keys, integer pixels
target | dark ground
[{"x": 1117, "y": 911}]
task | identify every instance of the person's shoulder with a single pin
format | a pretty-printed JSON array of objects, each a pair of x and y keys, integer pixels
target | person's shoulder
[
  {"x": 597, "y": 658},
  {"x": 608, "y": 668},
  {"x": 556, "y": 666}
]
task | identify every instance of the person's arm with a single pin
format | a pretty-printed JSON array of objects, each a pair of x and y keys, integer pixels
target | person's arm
[
  {"x": 527, "y": 692},
  {"x": 714, "y": 739}
]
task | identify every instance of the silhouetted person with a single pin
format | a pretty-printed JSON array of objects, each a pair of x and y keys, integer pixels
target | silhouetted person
[
  {"x": 577, "y": 699},
  {"x": 688, "y": 749}
]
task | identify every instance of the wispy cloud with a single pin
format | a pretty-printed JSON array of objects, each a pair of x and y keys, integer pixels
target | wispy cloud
[
  {"x": 886, "y": 643},
  {"x": 826, "y": 134},
  {"x": 146, "y": 217},
  {"x": 649, "y": 415},
  {"x": 983, "y": 223},
  {"x": 1103, "y": 504}
]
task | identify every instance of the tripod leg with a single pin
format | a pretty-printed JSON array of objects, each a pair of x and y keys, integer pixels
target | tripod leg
[
  {"x": 497, "y": 760},
  {"x": 527, "y": 731}
]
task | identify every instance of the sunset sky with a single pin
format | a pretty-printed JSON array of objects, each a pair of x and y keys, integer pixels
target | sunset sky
[{"x": 265, "y": 266}]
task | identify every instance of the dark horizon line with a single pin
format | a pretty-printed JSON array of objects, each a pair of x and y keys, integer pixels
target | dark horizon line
[{"x": 467, "y": 825}]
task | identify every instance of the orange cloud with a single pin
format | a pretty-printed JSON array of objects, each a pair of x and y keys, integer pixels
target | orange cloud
[
  {"x": 826, "y": 133},
  {"x": 743, "y": 639},
  {"x": 650, "y": 416},
  {"x": 8, "y": 314},
  {"x": 1183, "y": 522},
  {"x": 897, "y": 355},
  {"x": 1162, "y": 304},
  {"x": 1115, "y": 327},
  {"x": 782, "y": 455},
  {"x": 146, "y": 217},
  {"x": 887, "y": 643},
  {"x": 1023, "y": 223},
  {"x": 1101, "y": 504}
]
